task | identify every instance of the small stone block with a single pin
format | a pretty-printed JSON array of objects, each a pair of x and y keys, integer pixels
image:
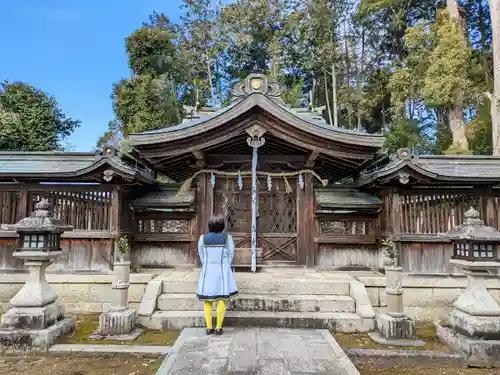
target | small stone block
[
  {"x": 126, "y": 337},
  {"x": 379, "y": 339},
  {"x": 477, "y": 352},
  {"x": 33, "y": 317},
  {"x": 395, "y": 327},
  {"x": 116, "y": 323}
]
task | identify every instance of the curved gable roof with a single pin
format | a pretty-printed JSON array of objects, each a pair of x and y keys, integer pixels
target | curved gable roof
[{"x": 248, "y": 99}]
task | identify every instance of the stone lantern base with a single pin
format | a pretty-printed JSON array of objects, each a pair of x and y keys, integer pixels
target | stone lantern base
[
  {"x": 34, "y": 328},
  {"x": 474, "y": 327}
]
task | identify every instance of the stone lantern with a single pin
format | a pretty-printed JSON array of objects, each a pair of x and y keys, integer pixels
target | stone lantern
[
  {"x": 474, "y": 320},
  {"x": 36, "y": 318}
]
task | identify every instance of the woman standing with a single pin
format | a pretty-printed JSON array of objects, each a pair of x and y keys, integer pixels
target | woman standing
[{"x": 216, "y": 251}]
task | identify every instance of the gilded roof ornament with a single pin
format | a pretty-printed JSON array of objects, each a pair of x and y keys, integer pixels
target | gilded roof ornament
[{"x": 256, "y": 83}]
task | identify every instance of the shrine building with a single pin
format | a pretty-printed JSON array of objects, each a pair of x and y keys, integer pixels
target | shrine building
[{"x": 295, "y": 191}]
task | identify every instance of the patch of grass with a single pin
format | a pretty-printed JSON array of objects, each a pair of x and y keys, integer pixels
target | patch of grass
[
  {"x": 86, "y": 324},
  {"x": 424, "y": 331}
]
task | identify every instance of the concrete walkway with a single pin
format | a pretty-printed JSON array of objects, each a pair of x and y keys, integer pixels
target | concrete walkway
[{"x": 257, "y": 351}]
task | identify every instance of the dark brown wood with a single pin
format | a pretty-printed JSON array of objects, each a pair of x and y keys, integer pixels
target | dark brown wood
[
  {"x": 263, "y": 159},
  {"x": 311, "y": 160}
]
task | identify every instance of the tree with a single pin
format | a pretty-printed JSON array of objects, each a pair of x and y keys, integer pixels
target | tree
[
  {"x": 31, "y": 120},
  {"x": 149, "y": 99},
  {"x": 495, "y": 98}
]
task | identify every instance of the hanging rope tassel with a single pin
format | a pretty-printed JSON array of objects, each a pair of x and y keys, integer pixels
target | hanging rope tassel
[{"x": 288, "y": 188}]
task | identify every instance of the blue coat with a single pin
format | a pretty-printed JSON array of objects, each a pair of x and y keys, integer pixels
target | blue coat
[{"x": 216, "y": 251}]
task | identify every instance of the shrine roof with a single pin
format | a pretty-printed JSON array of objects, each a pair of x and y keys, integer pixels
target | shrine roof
[
  {"x": 68, "y": 166},
  {"x": 341, "y": 197},
  {"x": 165, "y": 196},
  {"x": 435, "y": 168},
  {"x": 257, "y": 92}
]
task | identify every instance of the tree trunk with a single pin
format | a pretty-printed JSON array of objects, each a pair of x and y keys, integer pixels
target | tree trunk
[
  {"x": 328, "y": 107},
  {"x": 495, "y": 100},
  {"x": 457, "y": 127},
  {"x": 359, "y": 77},
  {"x": 334, "y": 94},
  {"x": 210, "y": 82},
  {"x": 452, "y": 8},
  {"x": 456, "y": 118}
]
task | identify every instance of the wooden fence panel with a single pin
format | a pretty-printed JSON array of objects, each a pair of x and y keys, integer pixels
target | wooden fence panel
[
  {"x": 86, "y": 209},
  {"x": 437, "y": 212}
]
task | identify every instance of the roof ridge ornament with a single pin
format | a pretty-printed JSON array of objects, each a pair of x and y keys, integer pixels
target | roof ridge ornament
[
  {"x": 257, "y": 83},
  {"x": 402, "y": 154}
]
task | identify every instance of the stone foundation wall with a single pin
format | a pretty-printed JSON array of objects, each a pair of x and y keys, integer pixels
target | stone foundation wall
[
  {"x": 79, "y": 293},
  {"x": 425, "y": 297}
]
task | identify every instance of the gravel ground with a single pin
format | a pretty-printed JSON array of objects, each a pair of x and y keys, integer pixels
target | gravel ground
[
  {"x": 416, "y": 366},
  {"x": 68, "y": 365}
]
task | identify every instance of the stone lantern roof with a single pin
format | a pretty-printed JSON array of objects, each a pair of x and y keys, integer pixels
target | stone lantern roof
[
  {"x": 474, "y": 229},
  {"x": 41, "y": 220}
]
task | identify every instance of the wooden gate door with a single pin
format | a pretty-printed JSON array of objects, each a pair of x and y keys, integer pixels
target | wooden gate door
[
  {"x": 235, "y": 205},
  {"x": 276, "y": 220}
]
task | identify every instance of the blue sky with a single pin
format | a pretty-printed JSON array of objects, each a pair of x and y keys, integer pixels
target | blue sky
[{"x": 74, "y": 50}]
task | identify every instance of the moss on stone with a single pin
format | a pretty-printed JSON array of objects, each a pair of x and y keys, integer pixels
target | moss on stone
[{"x": 87, "y": 324}]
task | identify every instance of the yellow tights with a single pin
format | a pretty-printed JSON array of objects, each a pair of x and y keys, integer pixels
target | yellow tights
[{"x": 221, "y": 310}]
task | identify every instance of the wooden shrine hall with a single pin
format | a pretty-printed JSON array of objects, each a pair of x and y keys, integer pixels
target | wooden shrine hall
[{"x": 294, "y": 191}]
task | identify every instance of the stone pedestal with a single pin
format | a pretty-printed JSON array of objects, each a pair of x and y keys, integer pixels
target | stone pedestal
[
  {"x": 474, "y": 321},
  {"x": 120, "y": 322},
  {"x": 36, "y": 318},
  {"x": 394, "y": 327}
]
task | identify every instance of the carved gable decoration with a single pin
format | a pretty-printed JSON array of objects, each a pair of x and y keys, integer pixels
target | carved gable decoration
[{"x": 256, "y": 83}]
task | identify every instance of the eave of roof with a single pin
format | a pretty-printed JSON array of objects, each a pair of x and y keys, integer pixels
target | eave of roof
[
  {"x": 166, "y": 196},
  {"x": 64, "y": 165},
  {"x": 344, "y": 197},
  {"x": 440, "y": 168},
  {"x": 304, "y": 123}
]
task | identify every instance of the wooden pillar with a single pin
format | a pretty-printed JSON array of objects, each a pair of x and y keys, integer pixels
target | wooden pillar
[
  {"x": 490, "y": 214},
  {"x": 310, "y": 219},
  {"x": 395, "y": 216},
  {"x": 204, "y": 209},
  {"x": 306, "y": 228},
  {"x": 24, "y": 206},
  {"x": 115, "y": 218}
]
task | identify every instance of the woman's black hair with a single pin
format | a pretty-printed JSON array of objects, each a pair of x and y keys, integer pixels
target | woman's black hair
[{"x": 216, "y": 224}]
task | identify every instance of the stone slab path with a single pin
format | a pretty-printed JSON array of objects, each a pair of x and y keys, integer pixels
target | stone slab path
[{"x": 257, "y": 351}]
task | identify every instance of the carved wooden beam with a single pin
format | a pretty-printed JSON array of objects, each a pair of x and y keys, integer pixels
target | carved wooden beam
[
  {"x": 200, "y": 158},
  {"x": 311, "y": 160},
  {"x": 273, "y": 159}
]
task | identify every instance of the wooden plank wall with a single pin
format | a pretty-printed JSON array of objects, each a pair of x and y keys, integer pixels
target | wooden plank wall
[
  {"x": 90, "y": 247},
  {"x": 346, "y": 241},
  {"x": 164, "y": 239},
  {"x": 82, "y": 251}
]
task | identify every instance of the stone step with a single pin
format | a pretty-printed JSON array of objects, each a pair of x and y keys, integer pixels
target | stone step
[
  {"x": 263, "y": 302},
  {"x": 266, "y": 285},
  {"x": 337, "y": 322}
]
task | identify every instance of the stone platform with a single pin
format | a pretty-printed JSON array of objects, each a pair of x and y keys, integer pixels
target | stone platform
[
  {"x": 257, "y": 351},
  {"x": 285, "y": 298}
]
